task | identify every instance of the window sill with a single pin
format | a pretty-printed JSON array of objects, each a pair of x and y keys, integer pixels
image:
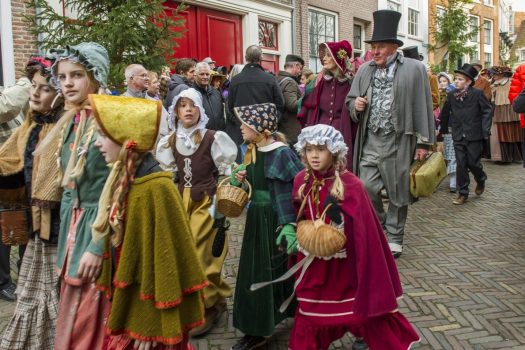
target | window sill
[
  {"x": 414, "y": 37},
  {"x": 270, "y": 51}
]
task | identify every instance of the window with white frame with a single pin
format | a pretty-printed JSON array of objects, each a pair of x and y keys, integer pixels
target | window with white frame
[
  {"x": 487, "y": 32},
  {"x": 521, "y": 55},
  {"x": 474, "y": 55},
  {"x": 321, "y": 28},
  {"x": 394, "y": 5},
  {"x": 488, "y": 59},
  {"x": 440, "y": 12},
  {"x": 358, "y": 44},
  {"x": 488, "y": 2},
  {"x": 474, "y": 28},
  {"x": 413, "y": 22}
]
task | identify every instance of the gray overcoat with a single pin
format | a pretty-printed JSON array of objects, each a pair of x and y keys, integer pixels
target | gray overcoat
[{"x": 412, "y": 116}]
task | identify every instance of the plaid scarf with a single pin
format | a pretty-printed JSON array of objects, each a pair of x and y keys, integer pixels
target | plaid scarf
[{"x": 460, "y": 95}]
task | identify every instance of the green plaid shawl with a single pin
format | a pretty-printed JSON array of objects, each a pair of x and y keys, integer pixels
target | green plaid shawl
[{"x": 281, "y": 166}]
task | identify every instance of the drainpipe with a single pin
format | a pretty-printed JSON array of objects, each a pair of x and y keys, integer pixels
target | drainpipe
[{"x": 294, "y": 32}]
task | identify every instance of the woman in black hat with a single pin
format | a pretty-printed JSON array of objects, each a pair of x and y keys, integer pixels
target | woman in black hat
[{"x": 470, "y": 126}]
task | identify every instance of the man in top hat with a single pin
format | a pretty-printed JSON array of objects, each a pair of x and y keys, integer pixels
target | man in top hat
[
  {"x": 469, "y": 114},
  {"x": 390, "y": 99},
  {"x": 412, "y": 52},
  {"x": 288, "y": 82}
]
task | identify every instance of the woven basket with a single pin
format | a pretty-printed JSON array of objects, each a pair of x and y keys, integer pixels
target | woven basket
[
  {"x": 319, "y": 238},
  {"x": 14, "y": 227},
  {"x": 231, "y": 200}
]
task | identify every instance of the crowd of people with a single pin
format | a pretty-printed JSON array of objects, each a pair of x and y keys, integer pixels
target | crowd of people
[{"x": 126, "y": 244}]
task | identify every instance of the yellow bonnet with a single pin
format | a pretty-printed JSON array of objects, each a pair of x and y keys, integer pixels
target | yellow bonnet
[{"x": 128, "y": 119}]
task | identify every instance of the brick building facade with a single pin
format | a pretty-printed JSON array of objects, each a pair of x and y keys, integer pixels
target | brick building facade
[
  {"x": 17, "y": 43},
  {"x": 24, "y": 41},
  {"x": 317, "y": 21}
]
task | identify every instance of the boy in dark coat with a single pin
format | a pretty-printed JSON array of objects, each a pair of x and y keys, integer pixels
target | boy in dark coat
[{"x": 469, "y": 114}]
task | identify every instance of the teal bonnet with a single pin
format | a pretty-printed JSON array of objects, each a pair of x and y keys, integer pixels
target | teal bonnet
[{"x": 94, "y": 57}]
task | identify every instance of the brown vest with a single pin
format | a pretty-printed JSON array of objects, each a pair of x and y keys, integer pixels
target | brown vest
[{"x": 198, "y": 171}]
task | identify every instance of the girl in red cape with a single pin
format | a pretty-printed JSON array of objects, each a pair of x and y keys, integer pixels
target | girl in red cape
[{"x": 356, "y": 289}]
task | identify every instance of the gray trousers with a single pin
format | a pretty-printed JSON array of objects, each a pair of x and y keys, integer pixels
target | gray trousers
[{"x": 377, "y": 170}]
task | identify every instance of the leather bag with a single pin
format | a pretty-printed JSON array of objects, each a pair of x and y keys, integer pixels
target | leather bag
[
  {"x": 14, "y": 226},
  {"x": 425, "y": 176}
]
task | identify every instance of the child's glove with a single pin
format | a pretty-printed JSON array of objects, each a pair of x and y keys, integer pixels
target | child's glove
[
  {"x": 233, "y": 177},
  {"x": 287, "y": 234},
  {"x": 334, "y": 212},
  {"x": 220, "y": 238}
]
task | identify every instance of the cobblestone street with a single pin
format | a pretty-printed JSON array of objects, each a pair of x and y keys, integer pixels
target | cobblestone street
[{"x": 463, "y": 271}]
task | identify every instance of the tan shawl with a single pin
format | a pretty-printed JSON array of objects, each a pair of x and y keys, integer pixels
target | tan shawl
[
  {"x": 44, "y": 194},
  {"x": 12, "y": 151}
]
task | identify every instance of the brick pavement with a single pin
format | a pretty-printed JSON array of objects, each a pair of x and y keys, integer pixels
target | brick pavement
[{"x": 463, "y": 271}]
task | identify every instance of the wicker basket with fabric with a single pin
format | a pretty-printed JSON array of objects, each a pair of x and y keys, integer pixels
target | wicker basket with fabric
[
  {"x": 14, "y": 226},
  {"x": 317, "y": 237},
  {"x": 231, "y": 200}
]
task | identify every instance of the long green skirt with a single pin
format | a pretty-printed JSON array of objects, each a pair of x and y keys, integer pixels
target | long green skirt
[{"x": 257, "y": 313}]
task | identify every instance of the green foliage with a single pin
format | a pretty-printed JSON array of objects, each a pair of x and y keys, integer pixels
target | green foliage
[
  {"x": 133, "y": 31},
  {"x": 452, "y": 31},
  {"x": 436, "y": 68}
]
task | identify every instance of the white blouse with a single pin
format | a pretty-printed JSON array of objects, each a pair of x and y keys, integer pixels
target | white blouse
[{"x": 223, "y": 149}]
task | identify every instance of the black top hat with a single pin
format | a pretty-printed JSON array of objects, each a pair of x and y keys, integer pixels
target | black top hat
[
  {"x": 412, "y": 52},
  {"x": 294, "y": 58},
  {"x": 385, "y": 27},
  {"x": 469, "y": 71}
]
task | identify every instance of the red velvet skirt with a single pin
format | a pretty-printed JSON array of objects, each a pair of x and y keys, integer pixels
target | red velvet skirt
[{"x": 388, "y": 332}]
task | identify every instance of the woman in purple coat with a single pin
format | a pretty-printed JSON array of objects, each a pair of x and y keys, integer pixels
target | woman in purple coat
[{"x": 325, "y": 104}]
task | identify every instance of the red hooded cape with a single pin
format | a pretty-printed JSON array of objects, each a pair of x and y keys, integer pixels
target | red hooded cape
[{"x": 366, "y": 282}]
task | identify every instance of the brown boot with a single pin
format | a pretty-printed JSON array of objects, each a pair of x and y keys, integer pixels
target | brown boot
[
  {"x": 480, "y": 188},
  {"x": 460, "y": 200},
  {"x": 212, "y": 315}
]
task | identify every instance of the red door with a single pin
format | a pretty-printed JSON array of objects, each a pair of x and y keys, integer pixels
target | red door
[
  {"x": 210, "y": 33},
  {"x": 185, "y": 47}
]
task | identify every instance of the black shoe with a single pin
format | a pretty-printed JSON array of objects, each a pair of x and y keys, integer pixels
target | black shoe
[
  {"x": 249, "y": 342},
  {"x": 396, "y": 255},
  {"x": 359, "y": 343},
  {"x": 8, "y": 293}
]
